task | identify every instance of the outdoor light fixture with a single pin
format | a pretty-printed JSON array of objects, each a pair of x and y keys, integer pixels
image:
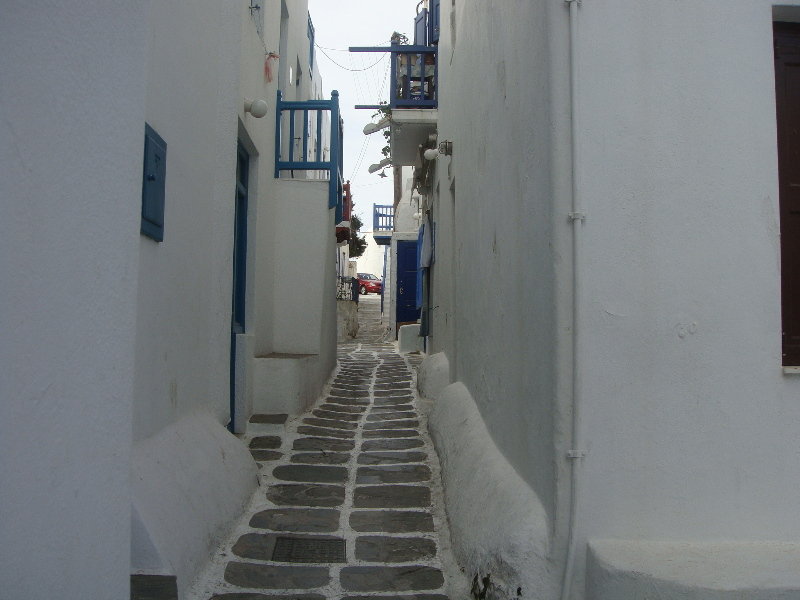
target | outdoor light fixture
[
  {"x": 378, "y": 166},
  {"x": 382, "y": 174},
  {"x": 257, "y": 108},
  {"x": 373, "y": 127}
]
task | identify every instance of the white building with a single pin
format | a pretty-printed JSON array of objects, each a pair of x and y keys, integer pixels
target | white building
[
  {"x": 615, "y": 413},
  {"x": 118, "y": 378}
]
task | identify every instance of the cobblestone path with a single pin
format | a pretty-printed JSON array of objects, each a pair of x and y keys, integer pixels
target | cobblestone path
[{"x": 349, "y": 506}]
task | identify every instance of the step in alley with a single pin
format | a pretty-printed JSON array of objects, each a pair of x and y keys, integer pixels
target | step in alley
[{"x": 349, "y": 504}]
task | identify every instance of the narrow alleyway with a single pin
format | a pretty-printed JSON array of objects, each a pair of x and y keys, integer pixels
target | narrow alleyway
[{"x": 349, "y": 505}]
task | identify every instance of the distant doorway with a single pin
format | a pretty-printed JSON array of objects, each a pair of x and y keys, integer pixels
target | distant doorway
[
  {"x": 239, "y": 268},
  {"x": 406, "y": 294}
]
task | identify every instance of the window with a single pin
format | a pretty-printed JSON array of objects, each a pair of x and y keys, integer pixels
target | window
[
  {"x": 153, "y": 184},
  {"x": 787, "y": 88}
]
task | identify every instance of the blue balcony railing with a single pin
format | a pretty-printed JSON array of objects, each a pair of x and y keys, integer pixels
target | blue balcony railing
[
  {"x": 310, "y": 158},
  {"x": 414, "y": 75},
  {"x": 382, "y": 219}
]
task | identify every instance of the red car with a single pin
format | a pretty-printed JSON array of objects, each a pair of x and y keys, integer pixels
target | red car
[{"x": 367, "y": 282}]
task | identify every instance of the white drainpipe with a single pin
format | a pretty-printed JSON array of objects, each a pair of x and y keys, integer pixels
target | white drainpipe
[{"x": 578, "y": 217}]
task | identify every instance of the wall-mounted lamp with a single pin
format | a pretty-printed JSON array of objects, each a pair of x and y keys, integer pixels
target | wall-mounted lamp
[
  {"x": 373, "y": 127},
  {"x": 444, "y": 148},
  {"x": 257, "y": 108},
  {"x": 378, "y": 166}
]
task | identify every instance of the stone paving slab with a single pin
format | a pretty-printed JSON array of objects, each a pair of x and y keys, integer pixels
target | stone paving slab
[
  {"x": 334, "y": 414},
  {"x": 390, "y": 415},
  {"x": 393, "y": 401},
  {"x": 394, "y": 549},
  {"x": 412, "y": 597},
  {"x": 273, "y": 419},
  {"x": 391, "y": 521},
  {"x": 248, "y": 596},
  {"x": 392, "y": 496},
  {"x": 266, "y": 441},
  {"x": 325, "y": 432},
  {"x": 320, "y": 458},
  {"x": 332, "y": 423},
  {"x": 390, "y": 433},
  {"x": 391, "y": 425},
  {"x": 398, "y": 444},
  {"x": 347, "y": 401},
  {"x": 388, "y": 458},
  {"x": 343, "y": 408},
  {"x": 275, "y": 577},
  {"x": 376, "y": 409},
  {"x": 309, "y": 520},
  {"x": 393, "y": 474},
  {"x": 390, "y": 579},
  {"x": 306, "y": 495},
  {"x": 266, "y": 455},
  {"x": 311, "y": 473},
  {"x": 262, "y": 546},
  {"x": 313, "y": 443}
]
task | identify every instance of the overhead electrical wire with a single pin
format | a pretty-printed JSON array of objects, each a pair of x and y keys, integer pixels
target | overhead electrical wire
[{"x": 375, "y": 64}]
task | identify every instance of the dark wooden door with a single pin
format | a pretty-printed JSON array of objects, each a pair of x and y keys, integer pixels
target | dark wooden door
[
  {"x": 406, "y": 294},
  {"x": 239, "y": 286},
  {"x": 787, "y": 88}
]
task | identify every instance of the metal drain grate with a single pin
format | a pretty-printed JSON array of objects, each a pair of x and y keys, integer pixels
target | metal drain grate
[{"x": 309, "y": 550}]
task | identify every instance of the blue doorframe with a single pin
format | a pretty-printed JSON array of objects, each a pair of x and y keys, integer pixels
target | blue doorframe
[
  {"x": 239, "y": 286},
  {"x": 406, "y": 288}
]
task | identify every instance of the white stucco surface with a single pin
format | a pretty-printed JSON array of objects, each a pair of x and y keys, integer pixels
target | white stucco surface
[
  {"x": 433, "y": 375},
  {"x": 183, "y": 321},
  {"x": 688, "y": 422},
  {"x": 498, "y": 524},
  {"x": 190, "y": 482},
  {"x": 372, "y": 259},
  {"x": 70, "y": 187},
  {"x": 619, "y": 569}
]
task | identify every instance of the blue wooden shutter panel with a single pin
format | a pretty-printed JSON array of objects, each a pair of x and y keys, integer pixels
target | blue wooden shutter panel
[
  {"x": 153, "y": 184},
  {"x": 421, "y": 28},
  {"x": 433, "y": 23}
]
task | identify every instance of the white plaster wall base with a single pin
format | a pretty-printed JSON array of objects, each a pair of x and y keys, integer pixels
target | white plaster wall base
[
  {"x": 189, "y": 482},
  {"x": 634, "y": 569},
  {"x": 408, "y": 339},
  {"x": 511, "y": 547},
  {"x": 285, "y": 383},
  {"x": 433, "y": 375},
  {"x": 346, "y": 319},
  {"x": 245, "y": 343}
]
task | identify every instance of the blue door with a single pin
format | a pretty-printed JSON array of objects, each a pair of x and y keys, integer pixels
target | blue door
[
  {"x": 407, "y": 311},
  {"x": 239, "y": 267}
]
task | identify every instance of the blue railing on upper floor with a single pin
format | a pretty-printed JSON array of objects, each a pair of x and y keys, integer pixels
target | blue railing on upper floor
[
  {"x": 382, "y": 219},
  {"x": 311, "y": 159},
  {"x": 414, "y": 75}
]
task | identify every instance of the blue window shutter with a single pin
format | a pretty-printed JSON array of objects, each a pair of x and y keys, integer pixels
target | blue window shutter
[
  {"x": 421, "y": 28},
  {"x": 153, "y": 184},
  {"x": 434, "y": 23},
  {"x": 310, "y": 44},
  {"x": 420, "y": 269}
]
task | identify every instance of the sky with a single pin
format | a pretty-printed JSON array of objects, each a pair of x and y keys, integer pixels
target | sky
[{"x": 339, "y": 24}]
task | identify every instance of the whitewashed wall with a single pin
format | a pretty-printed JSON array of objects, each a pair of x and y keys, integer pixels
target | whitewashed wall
[
  {"x": 372, "y": 259},
  {"x": 184, "y": 296},
  {"x": 70, "y": 184},
  {"x": 688, "y": 419}
]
